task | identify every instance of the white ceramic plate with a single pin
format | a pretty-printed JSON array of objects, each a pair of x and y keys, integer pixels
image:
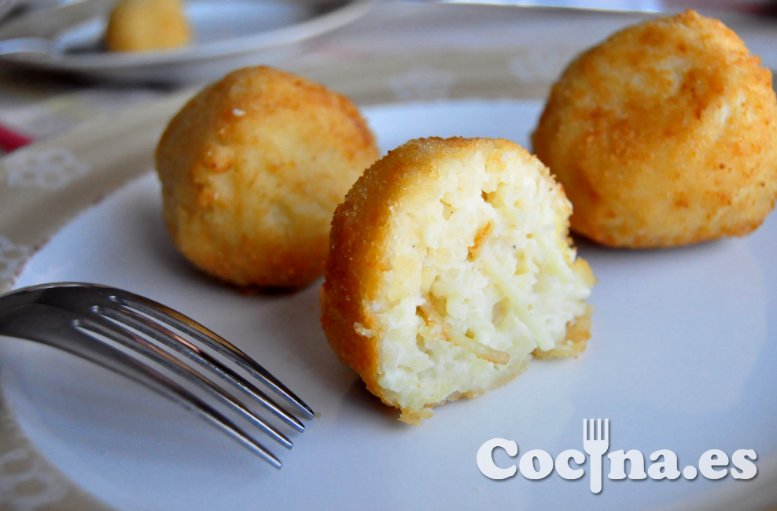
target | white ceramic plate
[
  {"x": 227, "y": 34},
  {"x": 682, "y": 357}
]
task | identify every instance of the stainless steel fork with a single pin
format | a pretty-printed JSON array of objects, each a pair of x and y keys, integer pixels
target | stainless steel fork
[{"x": 160, "y": 348}]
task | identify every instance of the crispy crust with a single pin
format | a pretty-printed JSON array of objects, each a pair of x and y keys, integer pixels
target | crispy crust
[
  {"x": 355, "y": 261},
  {"x": 359, "y": 234},
  {"x": 252, "y": 169},
  {"x": 664, "y": 134}
]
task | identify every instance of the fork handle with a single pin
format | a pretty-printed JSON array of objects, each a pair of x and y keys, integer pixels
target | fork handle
[{"x": 596, "y": 474}]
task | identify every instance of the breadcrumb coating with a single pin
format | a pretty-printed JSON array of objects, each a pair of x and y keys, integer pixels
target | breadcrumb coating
[
  {"x": 665, "y": 134},
  {"x": 252, "y": 169}
]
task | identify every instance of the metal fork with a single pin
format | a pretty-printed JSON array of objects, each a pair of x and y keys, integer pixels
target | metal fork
[
  {"x": 158, "y": 347},
  {"x": 596, "y": 442}
]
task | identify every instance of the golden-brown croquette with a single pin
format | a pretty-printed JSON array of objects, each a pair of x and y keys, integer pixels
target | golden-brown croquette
[
  {"x": 449, "y": 267},
  {"x": 146, "y": 25},
  {"x": 252, "y": 169},
  {"x": 664, "y": 134}
]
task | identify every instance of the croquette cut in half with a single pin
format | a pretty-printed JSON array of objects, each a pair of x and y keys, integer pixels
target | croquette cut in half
[
  {"x": 665, "y": 134},
  {"x": 252, "y": 169},
  {"x": 449, "y": 267}
]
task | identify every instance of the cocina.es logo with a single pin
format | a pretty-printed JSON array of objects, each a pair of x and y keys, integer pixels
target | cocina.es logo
[{"x": 662, "y": 464}]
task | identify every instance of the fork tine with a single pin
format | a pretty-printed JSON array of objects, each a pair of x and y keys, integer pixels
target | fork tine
[
  {"x": 213, "y": 341},
  {"x": 585, "y": 430},
  {"x": 70, "y": 316},
  {"x": 174, "y": 341},
  {"x": 117, "y": 333},
  {"x": 126, "y": 365},
  {"x": 606, "y": 429}
]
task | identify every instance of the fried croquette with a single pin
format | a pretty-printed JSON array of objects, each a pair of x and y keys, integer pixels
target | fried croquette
[
  {"x": 252, "y": 169},
  {"x": 147, "y": 25},
  {"x": 665, "y": 134},
  {"x": 449, "y": 267}
]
